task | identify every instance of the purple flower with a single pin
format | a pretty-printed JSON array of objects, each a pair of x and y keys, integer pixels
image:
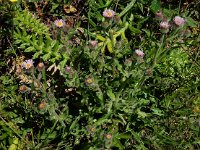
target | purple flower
[
  {"x": 27, "y": 64},
  {"x": 59, "y": 23},
  {"x": 179, "y": 21},
  {"x": 164, "y": 25},
  {"x": 108, "y": 13},
  {"x": 139, "y": 53}
]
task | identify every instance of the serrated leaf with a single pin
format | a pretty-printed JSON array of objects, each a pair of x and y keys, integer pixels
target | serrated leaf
[
  {"x": 29, "y": 49},
  {"x": 36, "y": 55},
  {"x": 46, "y": 56}
]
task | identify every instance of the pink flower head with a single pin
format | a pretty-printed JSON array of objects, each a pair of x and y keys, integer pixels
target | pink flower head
[
  {"x": 164, "y": 25},
  {"x": 108, "y": 13},
  {"x": 27, "y": 64},
  {"x": 139, "y": 53},
  {"x": 179, "y": 21},
  {"x": 59, "y": 23}
]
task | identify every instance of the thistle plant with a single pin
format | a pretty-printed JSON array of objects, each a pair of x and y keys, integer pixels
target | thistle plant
[{"x": 100, "y": 75}]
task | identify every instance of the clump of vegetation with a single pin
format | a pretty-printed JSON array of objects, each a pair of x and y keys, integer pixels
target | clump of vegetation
[{"x": 99, "y": 74}]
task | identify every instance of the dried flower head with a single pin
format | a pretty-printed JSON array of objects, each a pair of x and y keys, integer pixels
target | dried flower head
[
  {"x": 59, "y": 23},
  {"x": 139, "y": 53},
  {"x": 179, "y": 21},
  {"x": 23, "y": 88},
  {"x": 40, "y": 66},
  {"x": 27, "y": 64},
  {"x": 108, "y": 13},
  {"x": 24, "y": 79}
]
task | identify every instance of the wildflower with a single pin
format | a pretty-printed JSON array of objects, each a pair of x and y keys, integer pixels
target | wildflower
[
  {"x": 179, "y": 21},
  {"x": 40, "y": 66},
  {"x": 59, "y": 23},
  {"x": 89, "y": 81},
  {"x": 164, "y": 25},
  {"x": 108, "y": 13},
  {"x": 24, "y": 88},
  {"x": 27, "y": 64},
  {"x": 159, "y": 15},
  {"x": 139, "y": 53},
  {"x": 93, "y": 44}
]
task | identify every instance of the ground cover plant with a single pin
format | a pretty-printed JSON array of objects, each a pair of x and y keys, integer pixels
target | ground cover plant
[{"x": 95, "y": 75}]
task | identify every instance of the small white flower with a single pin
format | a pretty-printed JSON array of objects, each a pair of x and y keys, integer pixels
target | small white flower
[
  {"x": 59, "y": 23},
  {"x": 27, "y": 64},
  {"x": 179, "y": 21}
]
